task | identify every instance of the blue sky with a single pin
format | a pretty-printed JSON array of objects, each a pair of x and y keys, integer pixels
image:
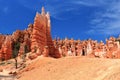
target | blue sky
[{"x": 78, "y": 19}]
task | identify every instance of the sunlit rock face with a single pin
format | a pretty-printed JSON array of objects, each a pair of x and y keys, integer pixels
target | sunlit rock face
[
  {"x": 41, "y": 40},
  {"x": 36, "y": 39},
  {"x": 6, "y": 48},
  {"x": 90, "y": 48},
  {"x": 7, "y": 43}
]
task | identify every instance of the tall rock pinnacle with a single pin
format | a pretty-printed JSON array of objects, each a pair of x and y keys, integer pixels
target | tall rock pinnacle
[
  {"x": 41, "y": 42},
  {"x": 43, "y": 11}
]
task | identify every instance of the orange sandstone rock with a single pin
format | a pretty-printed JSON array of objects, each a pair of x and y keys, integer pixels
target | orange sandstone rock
[{"x": 41, "y": 35}]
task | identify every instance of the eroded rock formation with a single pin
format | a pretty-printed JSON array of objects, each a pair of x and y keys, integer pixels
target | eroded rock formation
[
  {"x": 6, "y": 48},
  {"x": 41, "y": 42},
  {"x": 37, "y": 40},
  {"x": 91, "y": 48},
  {"x": 8, "y": 43}
]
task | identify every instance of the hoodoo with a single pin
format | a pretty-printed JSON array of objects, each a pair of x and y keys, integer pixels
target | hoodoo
[{"x": 41, "y": 42}]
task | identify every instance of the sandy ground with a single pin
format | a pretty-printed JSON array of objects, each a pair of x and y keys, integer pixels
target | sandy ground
[{"x": 72, "y": 68}]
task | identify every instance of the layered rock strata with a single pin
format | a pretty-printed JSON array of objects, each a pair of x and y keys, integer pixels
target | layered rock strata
[{"x": 41, "y": 36}]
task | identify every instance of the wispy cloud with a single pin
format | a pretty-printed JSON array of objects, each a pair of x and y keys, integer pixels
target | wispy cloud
[
  {"x": 59, "y": 7},
  {"x": 66, "y": 6},
  {"x": 107, "y": 21},
  {"x": 85, "y": 2}
]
